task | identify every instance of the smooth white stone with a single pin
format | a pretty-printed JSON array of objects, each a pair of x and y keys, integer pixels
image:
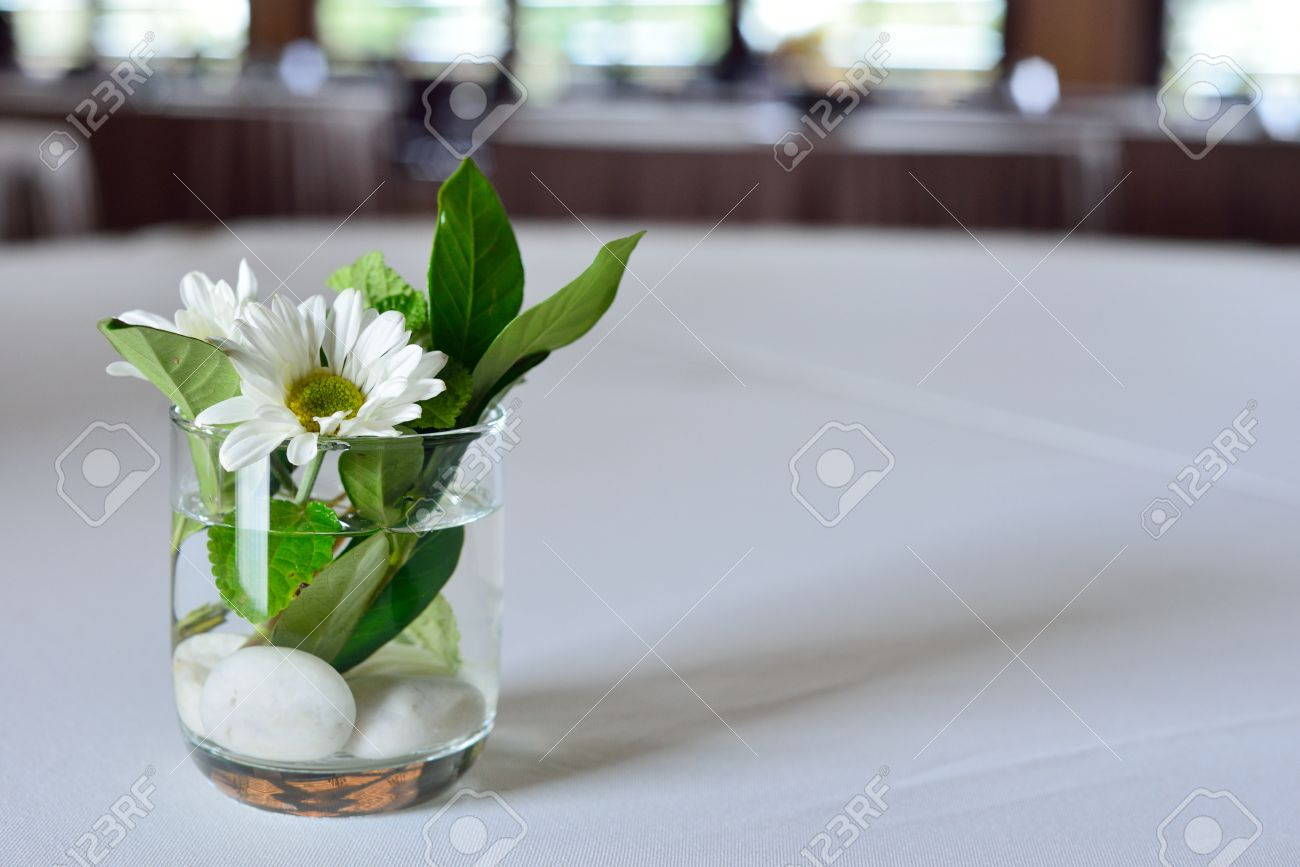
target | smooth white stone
[
  {"x": 399, "y": 716},
  {"x": 193, "y": 659},
  {"x": 278, "y": 704}
]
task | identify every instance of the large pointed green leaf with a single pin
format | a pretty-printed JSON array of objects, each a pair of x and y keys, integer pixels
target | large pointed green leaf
[
  {"x": 509, "y": 378},
  {"x": 320, "y": 620},
  {"x": 557, "y": 321},
  {"x": 435, "y": 632},
  {"x": 378, "y": 473},
  {"x": 476, "y": 277},
  {"x": 192, "y": 373},
  {"x": 406, "y": 596}
]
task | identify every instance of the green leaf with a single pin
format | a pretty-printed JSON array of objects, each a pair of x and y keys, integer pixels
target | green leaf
[
  {"x": 441, "y": 412},
  {"x": 508, "y": 379},
  {"x": 406, "y": 596},
  {"x": 398, "y": 659},
  {"x": 383, "y": 289},
  {"x": 183, "y": 527},
  {"x": 320, "y": 620},
  {"x": 300, "y": 542},
  {"x": 476, "y": 277},
  {"x": 216, "y": 486},
  {"x": 193, "y": 373},
  {"x": 435, "y": 631},
  {"x": 555, "y": 322},
  {"x": 378, "y": 473}
]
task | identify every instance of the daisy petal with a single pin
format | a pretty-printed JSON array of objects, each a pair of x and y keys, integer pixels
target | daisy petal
[
  {"x": 359, "y": 427},
  {"x": 228, "y": 411},
  {"x": 196, "y": 289},
  {"x": 252, "y": 441},
  {"x": 347, "y": 323},
  {"x": 147, "y": 319},
  {"x": 430, "y": 365},
  {"x": 329, "y": 424},
  {"x": 387, "y": 333},
  {"x": 423, "y": 390},
  {"x": 246, "y": 287},
  {"x": 124, "y": 368},
  {"x": 302, "y": 448},
  {"x": 387, "y": 390}
]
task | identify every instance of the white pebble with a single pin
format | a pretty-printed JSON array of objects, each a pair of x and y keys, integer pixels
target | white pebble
[
  {"x": 277, "y": 704},
  {"x": 193, "y": 659},
  {"x": 401, "y": 716}
]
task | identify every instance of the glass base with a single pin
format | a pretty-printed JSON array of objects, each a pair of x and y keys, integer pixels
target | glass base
[{"x": 337, "y": 793}]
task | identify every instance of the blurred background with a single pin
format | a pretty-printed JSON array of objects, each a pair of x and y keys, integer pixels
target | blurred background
[{"x": 1017, "y": 114}]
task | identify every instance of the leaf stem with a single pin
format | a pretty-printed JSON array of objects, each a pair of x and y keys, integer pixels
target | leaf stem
[
  {"x": 202, "y": 619},
  {"x": 283, "y": 473},
  {"x": 309, "y": 479},
  {"x": 262, "y": 632}
]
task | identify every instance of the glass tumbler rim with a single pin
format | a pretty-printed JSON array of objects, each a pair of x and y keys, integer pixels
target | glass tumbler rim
[{"x": 493, "y": 421}]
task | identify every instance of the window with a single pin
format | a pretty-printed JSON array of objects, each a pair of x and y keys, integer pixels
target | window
[
  {"x": 55, "y": 35},
  {"x": 1257, "y": 34},
  {"x": 955, "y": 36},
  {"x": 622, "y": 33},
  {"x": 50, "y": 35},
  {"x": 182, "y": 28},
  {"x": 424, "y": 31}
]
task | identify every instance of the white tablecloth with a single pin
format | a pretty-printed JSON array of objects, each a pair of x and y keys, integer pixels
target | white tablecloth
[{"x": 1021, "y": 468}]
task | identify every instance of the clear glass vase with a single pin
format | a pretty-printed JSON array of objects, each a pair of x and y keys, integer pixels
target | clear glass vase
[{"x": 336, "y": 627}]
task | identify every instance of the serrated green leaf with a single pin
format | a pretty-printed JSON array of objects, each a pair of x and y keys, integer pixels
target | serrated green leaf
[
  {"x": 320, "y": 620},
  {"x": 441, "y": 412},
  {"x": 555, "y": 322},
  {"x": 383, "y": 289},
  {"x": 405, "y": 597},
  {"x": 377, "y": 473},
  {"x": 192, "y": 373},
  {"x": 435, "y": 632},
  {"x": 476, "y": 276},
  {"x": 300, "y": 542}
]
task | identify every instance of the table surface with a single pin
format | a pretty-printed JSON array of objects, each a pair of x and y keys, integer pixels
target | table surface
[{"x": 651, "y": 506}]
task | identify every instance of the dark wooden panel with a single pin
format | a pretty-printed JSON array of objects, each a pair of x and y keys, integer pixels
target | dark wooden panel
[
  {"x": 239, "y": 166},
  {"x": 1245, "y": 191},
  {"x": 986, "y": 190}
]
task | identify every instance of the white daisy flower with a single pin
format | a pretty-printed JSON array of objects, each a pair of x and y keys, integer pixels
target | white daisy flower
[
  {"x": 370, "y": 382},
  {"x": 211, "y": 311}
]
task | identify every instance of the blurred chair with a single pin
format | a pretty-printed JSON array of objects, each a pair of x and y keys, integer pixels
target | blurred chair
[{"x": 43, "y": 193}]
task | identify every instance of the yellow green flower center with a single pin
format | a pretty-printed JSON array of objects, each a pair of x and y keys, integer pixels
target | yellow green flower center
[{"x": 322, "y": 394}]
